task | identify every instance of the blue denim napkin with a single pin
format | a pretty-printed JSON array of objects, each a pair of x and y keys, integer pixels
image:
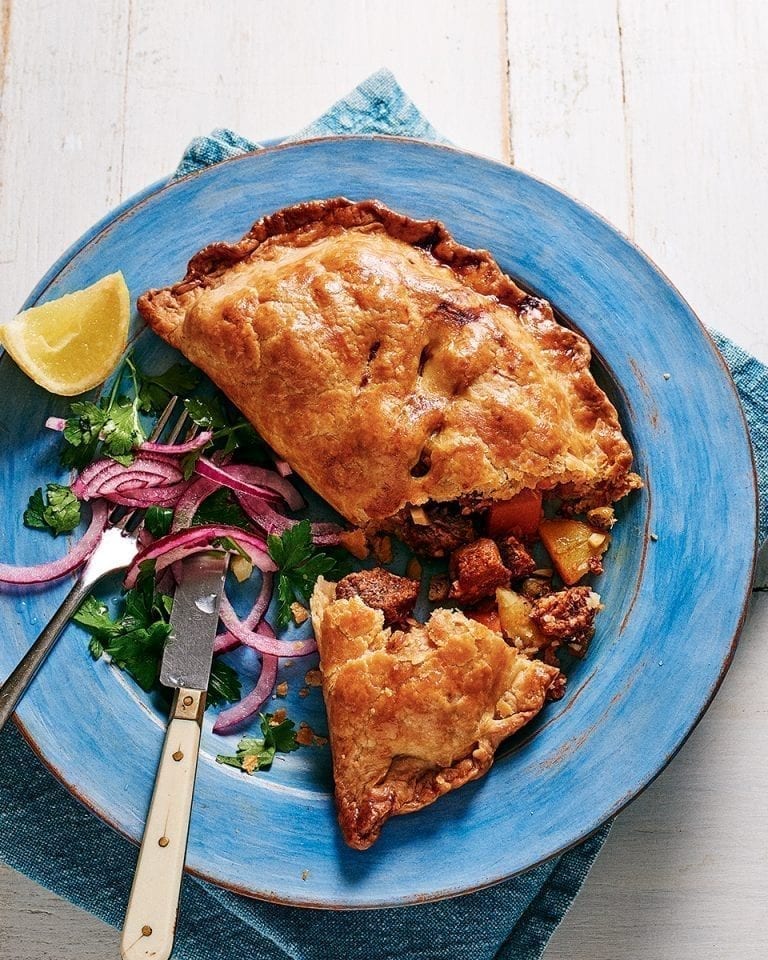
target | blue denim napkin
[{"x": 47, "y": 835}]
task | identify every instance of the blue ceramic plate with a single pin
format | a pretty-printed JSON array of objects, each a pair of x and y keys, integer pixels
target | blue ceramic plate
[{"x": 674, "y": 602}]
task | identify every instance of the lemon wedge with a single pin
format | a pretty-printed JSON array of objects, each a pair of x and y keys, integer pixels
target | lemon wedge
[{"x": 74, "y": 343}]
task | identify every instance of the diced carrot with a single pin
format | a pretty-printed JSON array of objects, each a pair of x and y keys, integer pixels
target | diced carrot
[
  {"x": 488, "y": 616},
  {"x": 519, "y": 515}
]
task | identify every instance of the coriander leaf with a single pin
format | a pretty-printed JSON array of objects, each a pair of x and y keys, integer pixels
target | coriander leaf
[
  {"x": 299, "y": 566},
  {"x": 221, "y": 507},
  {"x": 158, "y": 520},
  {"x": 155, "y": 391},
  {"x": 223, "y": 685},
  {"x": 58, "y": 511}
]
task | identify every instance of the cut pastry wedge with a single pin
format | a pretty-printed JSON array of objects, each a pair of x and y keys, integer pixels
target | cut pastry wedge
[
  {"x": 414, "y": 713},
  {"x": 73, "y": 343}
]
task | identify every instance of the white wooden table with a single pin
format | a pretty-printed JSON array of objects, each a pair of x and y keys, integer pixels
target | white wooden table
[{"x": 653, "y": 113}]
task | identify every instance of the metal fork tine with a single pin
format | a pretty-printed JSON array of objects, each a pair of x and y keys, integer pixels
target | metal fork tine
[
  {"x": 121, "y": 522},
  {"x": 137, "y": 522},
  {"x": 174, "y": 435},
  {"x": 164, "y": 417}
]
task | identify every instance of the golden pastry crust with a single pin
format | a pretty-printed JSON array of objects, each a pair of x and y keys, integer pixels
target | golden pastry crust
[
  {"x": 389, "y": 365},
  {"x": 415, "y": 713}
]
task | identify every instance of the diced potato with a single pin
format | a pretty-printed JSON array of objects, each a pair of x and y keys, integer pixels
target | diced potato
[
  {"x": 519, "y": 515},
  {"x": 575, "y": 547},
  {"x": 241, "y": 567},
  {"x": 516, "y": 623}
]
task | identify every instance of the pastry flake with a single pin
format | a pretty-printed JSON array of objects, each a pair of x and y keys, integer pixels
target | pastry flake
[{"x": 417, "y": 712}]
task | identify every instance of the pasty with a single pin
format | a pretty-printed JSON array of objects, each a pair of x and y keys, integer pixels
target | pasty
[
  {"x": 395, "y": 369},
  {"x": 416, "y": 712}
]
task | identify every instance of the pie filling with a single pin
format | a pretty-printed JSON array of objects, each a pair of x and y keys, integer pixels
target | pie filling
[{"x": 512, "y": 594}]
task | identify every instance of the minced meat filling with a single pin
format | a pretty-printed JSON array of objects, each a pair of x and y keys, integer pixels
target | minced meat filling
[
  {"x": 476, "y": 570},
  {"x": 516, "y": 558},
  {"x": 568, "y": 616},
  {"x": 478, "y": 566},
  {"x": 394, "y": 596},
  {"x": 447, "y": 528}
]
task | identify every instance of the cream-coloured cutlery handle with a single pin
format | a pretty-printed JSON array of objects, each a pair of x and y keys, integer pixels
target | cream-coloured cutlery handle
[{"x": 153, "y": 906}]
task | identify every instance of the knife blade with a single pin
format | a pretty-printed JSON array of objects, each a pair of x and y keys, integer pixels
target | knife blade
[
  {"x": 149, "y": 928},
  {"x": 188, "y": 650}
]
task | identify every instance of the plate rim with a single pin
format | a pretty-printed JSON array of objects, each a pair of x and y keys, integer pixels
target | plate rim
[{"x": 130, "y": 205}]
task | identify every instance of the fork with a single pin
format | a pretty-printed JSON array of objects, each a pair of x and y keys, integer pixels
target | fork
[{"x": 115, "y": 550}]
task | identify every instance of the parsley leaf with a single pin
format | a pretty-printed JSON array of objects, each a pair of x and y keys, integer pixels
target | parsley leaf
[
  {"x": 231, "y": 431},
  {"x": 94, "y": 616},
  {"x": 96, "y": 648},
  {"x": 135, "y": 639},
  {"x": 224, "y": 684},
  {"x": 254, "y": 753},
  {"x": 155, "y": 391},
  {"x": 221, "y": 507},
  {"x": 123, "y": 430},
  {"x": 206, "y": 412},
  {"x": 111, "y": 428},
  {"x": 33, "y": 515},
  {"x": 138, "y": 651},
  {"x": 58, "y": 511},
  {"x": 81, "y": 432},
  {"x": 299, "y": 567},
  {"x": 158, "y": 520},
  {"x": 282, "y": 736}
]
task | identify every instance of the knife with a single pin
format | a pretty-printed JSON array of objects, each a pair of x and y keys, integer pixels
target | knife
[{"x": 153, "y": 905}]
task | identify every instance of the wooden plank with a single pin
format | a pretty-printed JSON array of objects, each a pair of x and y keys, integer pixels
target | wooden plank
[
  {"x": 567, "y": 114},
  {"x": 269, "y": 69},
  {"x": 696, "y": 85},
  {"x": 60, "y": 131},
  {"x": 684, "y": 873},
  {"x": 35, "y": 924}
]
